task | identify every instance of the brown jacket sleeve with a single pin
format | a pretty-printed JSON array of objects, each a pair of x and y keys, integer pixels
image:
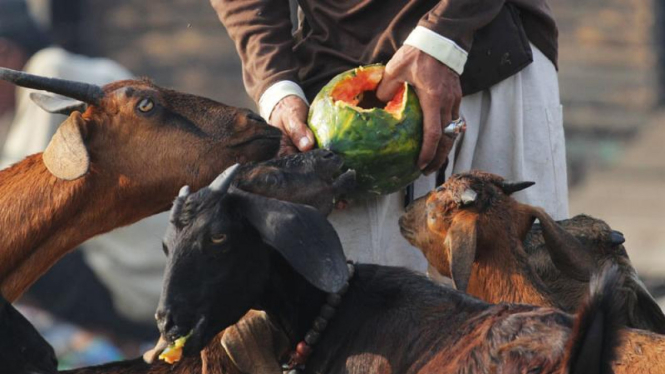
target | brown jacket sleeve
[
  {"x": 458, "y": 20},
  {"x": 261, "y": 31}
]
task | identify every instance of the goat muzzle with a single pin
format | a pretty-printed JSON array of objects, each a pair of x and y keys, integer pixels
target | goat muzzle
[{"x": 85, "y": 92}]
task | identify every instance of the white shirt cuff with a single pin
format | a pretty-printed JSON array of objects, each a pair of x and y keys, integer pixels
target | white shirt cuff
[
  {"x": 277, "y": 92},
  {"x": 439, "y": 47}
]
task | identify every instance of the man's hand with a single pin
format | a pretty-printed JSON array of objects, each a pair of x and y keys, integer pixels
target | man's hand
[
  {"x": 290, "y": 116},
  {"x": 439, "y": 91}
]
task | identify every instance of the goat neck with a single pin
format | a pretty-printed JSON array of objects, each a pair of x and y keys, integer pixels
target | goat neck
[
  {"x": 51, "y": 216},
  {"x": 362, "y": 318},
  {"x": 292, "y": 301}
]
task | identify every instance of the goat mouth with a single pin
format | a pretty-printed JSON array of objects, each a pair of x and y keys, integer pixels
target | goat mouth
[
  {"x": 195, "y": 338},
  {"x": 260, "y": 138},
  {"x": 332, "y": 168},
  {"x": 409, "y": 235},
  {"x": 404, "y": 229}
]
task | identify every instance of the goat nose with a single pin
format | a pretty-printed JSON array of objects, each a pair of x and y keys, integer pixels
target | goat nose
[
  {"x": 328, "y": 154},
  {"x": 164, "y": 320}
]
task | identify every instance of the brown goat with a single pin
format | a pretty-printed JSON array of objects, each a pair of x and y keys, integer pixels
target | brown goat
[
  {"x": 550, "y": 263},
  {"x": 471, "y": 230},
  {"x": 122, "y": 160}
]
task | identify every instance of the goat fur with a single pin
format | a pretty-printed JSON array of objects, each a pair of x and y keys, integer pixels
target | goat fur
[
  {"x": 318, "y": 171},
  {"x": 137, "y": 162},
  {"x": 503, "y": 271},
  {"x": 390, "y": 319}
]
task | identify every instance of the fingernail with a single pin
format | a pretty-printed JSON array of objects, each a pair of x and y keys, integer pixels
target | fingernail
[{"x": 303, "y": 142}]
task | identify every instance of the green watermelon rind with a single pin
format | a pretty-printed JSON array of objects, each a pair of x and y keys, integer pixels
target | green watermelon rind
[{"x": 385, "y": 160}]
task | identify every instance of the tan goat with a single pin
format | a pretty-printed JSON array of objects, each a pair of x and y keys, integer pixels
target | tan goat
[
  {"x": 121, "y": 160},
  {"x": 472, "y": 231}
]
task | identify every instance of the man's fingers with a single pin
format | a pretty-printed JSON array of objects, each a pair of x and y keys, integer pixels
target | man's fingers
[
  {"x": 301, "y": 136},
  {"x": 431, "y": 131},
  {"x": 388, "y": 86},
  {"x": 290, "y": 116},
  {"x": 442, "y": 151},
  {"x": 455, "y": 108}
]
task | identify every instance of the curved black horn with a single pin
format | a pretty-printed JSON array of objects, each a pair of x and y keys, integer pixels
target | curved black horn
[
  {"x": 222, "y": 183},
  {"x": 511, "y": 187},
  {"x": 617, "y": 238},
  {"x": 88, "y": 93}
]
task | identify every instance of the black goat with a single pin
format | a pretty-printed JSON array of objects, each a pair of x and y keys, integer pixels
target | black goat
[
  {"x": 22, "y": 349},
  {"x": 311, "y": 178},
  {"x": 230, "y": 251}
]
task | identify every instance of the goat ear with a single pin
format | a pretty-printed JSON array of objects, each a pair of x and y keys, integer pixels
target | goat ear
[
  {"x": 57, "y": 105},
  {"x": 66, "y": 156},
  {"x": 301, "y": 234},
  {"x": 524, "y": 220},
  {"x": 461, "y": 241},
  {"x": 647, "y": 310},
  {"x": 567, "y": 253}
]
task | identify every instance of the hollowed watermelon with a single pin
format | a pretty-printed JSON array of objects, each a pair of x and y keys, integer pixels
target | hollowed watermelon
[{"x": 381, "y": 141}]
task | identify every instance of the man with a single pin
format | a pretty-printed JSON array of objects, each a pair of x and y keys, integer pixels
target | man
[{"x": 511, "y": 105}]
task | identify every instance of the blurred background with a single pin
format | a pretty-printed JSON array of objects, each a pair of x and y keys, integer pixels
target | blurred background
[{"x": 612, "y": 75}]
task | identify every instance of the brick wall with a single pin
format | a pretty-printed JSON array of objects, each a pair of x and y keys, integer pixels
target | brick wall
[
  {"x": 607, "y": 54},
  {"x": 178, "y": 43},
  {"x": 608, "y": 75},
  {"x": 608, "y": 61}
]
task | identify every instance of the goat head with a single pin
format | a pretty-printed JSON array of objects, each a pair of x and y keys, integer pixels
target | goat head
[
  {"x": 136, "y": 134},
  {"x": 312, "y": 178},
  {"x": 221, "y": 245}
]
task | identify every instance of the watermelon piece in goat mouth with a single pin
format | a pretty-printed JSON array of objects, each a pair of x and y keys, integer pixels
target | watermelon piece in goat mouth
[{"x": 381, "y": 141}]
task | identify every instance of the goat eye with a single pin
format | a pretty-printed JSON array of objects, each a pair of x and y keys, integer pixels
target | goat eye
[
  {"x": 165, "y": 249},
  {"x": 218, "y": 239},
  {"x": 145, "y": 105}
]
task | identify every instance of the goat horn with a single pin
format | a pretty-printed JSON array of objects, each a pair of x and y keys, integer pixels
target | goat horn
[
  {"x": 511, "y": 187},
  {"x": 222, "y": 183},
  {"x": 617, "y": 238},
  {"x": 177, "y": 204},
  {"x": 88, "y": 93},
  {"x": 469, "y": 196},
  {"x": 184, "y": 191}
]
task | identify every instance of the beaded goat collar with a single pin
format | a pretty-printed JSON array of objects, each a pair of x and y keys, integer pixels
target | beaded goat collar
[{"x": 298, "y": 357}]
